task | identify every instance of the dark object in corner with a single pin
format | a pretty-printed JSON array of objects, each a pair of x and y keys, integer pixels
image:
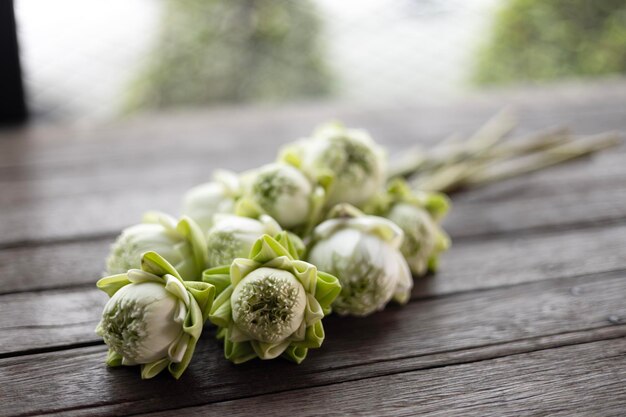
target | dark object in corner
[{"x": 12, "y": 103}]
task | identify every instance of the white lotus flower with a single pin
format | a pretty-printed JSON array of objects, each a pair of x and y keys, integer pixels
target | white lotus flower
[
  {"x": 181, "y": 243},
  {"x": 153, "y": 317},
  {"x": 270, "y": 303},
  {"x": 363, "y": 253},
  {"x": 281, "y": 191},
  {"x": 347, "y": 160},
  {"x": 233, "y": 237},
  {"x": 202, "y": 202}
]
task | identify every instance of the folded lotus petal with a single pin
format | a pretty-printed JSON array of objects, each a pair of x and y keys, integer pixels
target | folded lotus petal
[{"x": 314, "y": 311}]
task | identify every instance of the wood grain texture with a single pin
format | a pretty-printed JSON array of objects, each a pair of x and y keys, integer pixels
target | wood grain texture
[
  {"x": 42, "y": 184},
  {"x": 419, "y": 335},
  {"x": 587, "y": 108},
  {"x": 526, "y": 317},
  {"x": 582, "y": 380}
]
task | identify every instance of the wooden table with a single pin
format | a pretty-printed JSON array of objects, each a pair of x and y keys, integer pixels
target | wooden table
[{"x": 526, "y": 317}]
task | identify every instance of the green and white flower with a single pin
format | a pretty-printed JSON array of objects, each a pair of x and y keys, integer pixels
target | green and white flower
[
  {"x": 271, "y": 304},
  {"x": 418, "y": 215},
  {"x": 363, "y": 253},
  {"x": 233, "y": 237},
  {"x": 181, "y": 243},
  {"x": 202, "y": 202},
  {"x": 347, "y": 161},
  {"x": 153, "y": 318},
  {"x": 283, "y": 192}
]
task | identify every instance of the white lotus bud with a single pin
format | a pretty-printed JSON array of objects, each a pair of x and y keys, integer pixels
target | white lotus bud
[
  {"x": 281, "y": 191},
  {"x": 269, "y": 303},
  {"x": 348, "y": 159},
  {"x": 181, "y": 243},
  {"x": 233, "y": 237},
  {"x": 202, "y": 202},
  {"x": 153, "y": 317},
  {"x": 141, "y": 322},
  {"x": 363, "y": 253},
  {"x": 424, "y": 239}
]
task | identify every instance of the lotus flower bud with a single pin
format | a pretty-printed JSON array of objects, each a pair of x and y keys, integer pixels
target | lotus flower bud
[
  {"x": 270, "y": 303},
  {"x": 233, "y": 237},
  {"x": 153, "y": 317},
  {"x": 281, "y": 191},
  {"x": 418, "y": 214},
  {"x": 363, "y": 252},
  {"x": 202, "y": 202},
  {"x": 181, "y": 243},
  {"x": 424, "y": 239},
  {"x": 347, "y": 160}
]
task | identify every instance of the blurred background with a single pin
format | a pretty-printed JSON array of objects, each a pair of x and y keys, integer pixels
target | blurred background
[{"x": 86, "y": 61}]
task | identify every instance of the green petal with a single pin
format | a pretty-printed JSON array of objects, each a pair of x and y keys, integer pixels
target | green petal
[
  {"x": 194, "y": 320},
  {"x": 291, "y": 154},
  {"x": 221, "y": 312},
  {"x": 433, "y": 263},
  {"x": 177, "y": 369},
  {"x": 314, "y": 336},
  {"x": 437, "y": 204},
  {"x": 150, "y": 370},
  {"x": 204, "y": 295},
  {"x": 281, "y": 262},
  {"x": 267, "y": 248},
  {"x": 113, "y": 358},
  {"x": 192, "y": 232},
  {"x": 219, "y": 277},
  {"x": 313, "y": 311},
  {"x": 306, "y": 273},
  {"x": 176, "y": 288},
  {"x": 112, "y": 284},
  {"x": 327, "y": 289},
  {"x": 291, "y": 242},
  {"x": 155, "y": 264},
  {"x": 267, "y": 351},
  {"x": 137, "y": 276},
  {"x": 247, "y": 207},
  {"x": 240, "y": 268},
  {"x": 295, "y": 353},
  {"x": 193, "y": 327},
  {"x": 237, "y": 352}
]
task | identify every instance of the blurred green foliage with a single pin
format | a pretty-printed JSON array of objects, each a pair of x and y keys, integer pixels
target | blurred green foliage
[
  {"x": 548, "y": 39},
  {"x": 211, "y": 51}
]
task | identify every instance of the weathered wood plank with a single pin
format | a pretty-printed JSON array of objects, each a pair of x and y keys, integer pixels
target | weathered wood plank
[
  {"x": 597, "y": 199},
  {"x": 578, "y": 105},
  {"x": 582, "y": 380},
  {"x": 573, "y": 309},
  {"x": 75, "y": 382},
  {"x": 47, "y": 178}
]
